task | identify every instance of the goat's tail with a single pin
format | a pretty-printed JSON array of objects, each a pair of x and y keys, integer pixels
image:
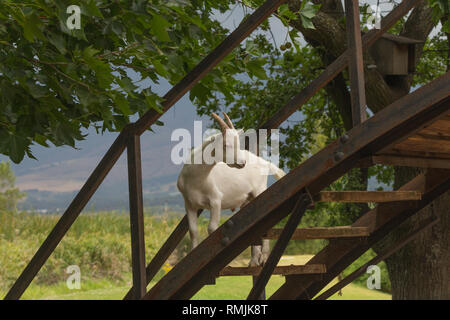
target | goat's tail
[{"x": 277, "y": 172}]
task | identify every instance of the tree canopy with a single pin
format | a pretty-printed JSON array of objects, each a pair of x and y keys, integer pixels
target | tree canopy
[{"x": 55, "y": 80}]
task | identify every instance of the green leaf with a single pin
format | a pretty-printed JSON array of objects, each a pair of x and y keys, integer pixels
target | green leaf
[
  {"x": 36, "y": 90},
  {"x": 89, "y": 52},
  {"x": 307, "y": 22},
  {"x": 284, "y": 11},
  {"x": 126, "y": 84},
  {"x": 123, "y": 104},
  {"x": 256, "y": 67},
  {"x": 310, "y": 10},
  {"x": 199, "y": 91},
  {"x": 159, "y": 26},
  {"x": 252, "y": 48},
  {"x": 17, "y": 147},
  {"x": 17, "y": 14},
  {"x": 446, "y": 26},
  {"x": 152, "y": 103},
  {"x": 102, "y": 70},
  {"x": 62, "y": 135},
  {"x": 31, "y": 28},
  {"x": 58, "y": 41},
  {"x": 42, "y": 140},
  {"x": 160, "y": 68},
  {"x": 90, "y": 8},
  {"x": 198, "y": 22}
]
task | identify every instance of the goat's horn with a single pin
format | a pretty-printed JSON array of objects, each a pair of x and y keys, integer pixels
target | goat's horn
[
  {"x": 230, "y": 124},
  {"x": 222, "y": 124}
]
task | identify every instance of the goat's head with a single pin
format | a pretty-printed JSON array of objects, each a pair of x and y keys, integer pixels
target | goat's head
[{"x": 231, "y": 153}]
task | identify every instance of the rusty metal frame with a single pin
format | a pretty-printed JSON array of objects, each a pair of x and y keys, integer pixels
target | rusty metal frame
[
  {"x": 355, "y": 63},
  {"x": 136, "y": 215},
  {"x": 280, "y": 246},
  {"x": 296, "y": 102},
  {"x": 424, "y": 225},
  {"x": 333, "y": 164},
  {"x": 250, "y": 223},
  {"x": 382, "y": 220}
]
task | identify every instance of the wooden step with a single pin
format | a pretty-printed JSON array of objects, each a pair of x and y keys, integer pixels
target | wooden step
[
  {"x": 367, "y": 196},
  {"x": 282, "y": 270},
  {"x": 405, "y": 161},
  {"x": 321, "y": 233}
]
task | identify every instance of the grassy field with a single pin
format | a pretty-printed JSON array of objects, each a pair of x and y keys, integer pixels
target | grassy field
[
  {"x": 99, "y": 243},
  {"x": 226, "y": 288}
]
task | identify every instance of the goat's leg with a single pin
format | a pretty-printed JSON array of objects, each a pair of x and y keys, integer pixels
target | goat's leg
[
  {"x": 256, "y": 259},
  {"x": 260, "y": 254},
  {"x": 192, "y": 222},
  {"x": 265, "y": 250},
  {"x": 214, "y": 221}
]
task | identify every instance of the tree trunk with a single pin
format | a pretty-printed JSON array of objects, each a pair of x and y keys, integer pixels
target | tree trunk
[{"x": 421, "y": 270}]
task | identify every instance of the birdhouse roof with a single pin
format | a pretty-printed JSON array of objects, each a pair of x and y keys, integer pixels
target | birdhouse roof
[{"x": 400, "y": 39}]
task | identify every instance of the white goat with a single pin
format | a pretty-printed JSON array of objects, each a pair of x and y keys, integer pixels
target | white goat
[{"x": 224, "y": 184}]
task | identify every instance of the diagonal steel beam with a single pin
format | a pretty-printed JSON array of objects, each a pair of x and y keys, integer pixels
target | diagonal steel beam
[{"x": 280, "y": 246}]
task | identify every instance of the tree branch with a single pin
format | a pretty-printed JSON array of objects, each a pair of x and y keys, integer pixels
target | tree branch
[
  {"x": 418, "y": 26},
  {"x": 51, "y": 65}
]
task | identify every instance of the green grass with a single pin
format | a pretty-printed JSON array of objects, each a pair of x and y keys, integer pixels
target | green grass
[
  {"x": 99, "y": 243},
  {"x": 226, "y": 288},
  {"x": 237, "y": 288}
]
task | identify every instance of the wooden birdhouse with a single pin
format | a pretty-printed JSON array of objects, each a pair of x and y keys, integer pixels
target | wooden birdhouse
[{"x": 394, "y": 55}]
